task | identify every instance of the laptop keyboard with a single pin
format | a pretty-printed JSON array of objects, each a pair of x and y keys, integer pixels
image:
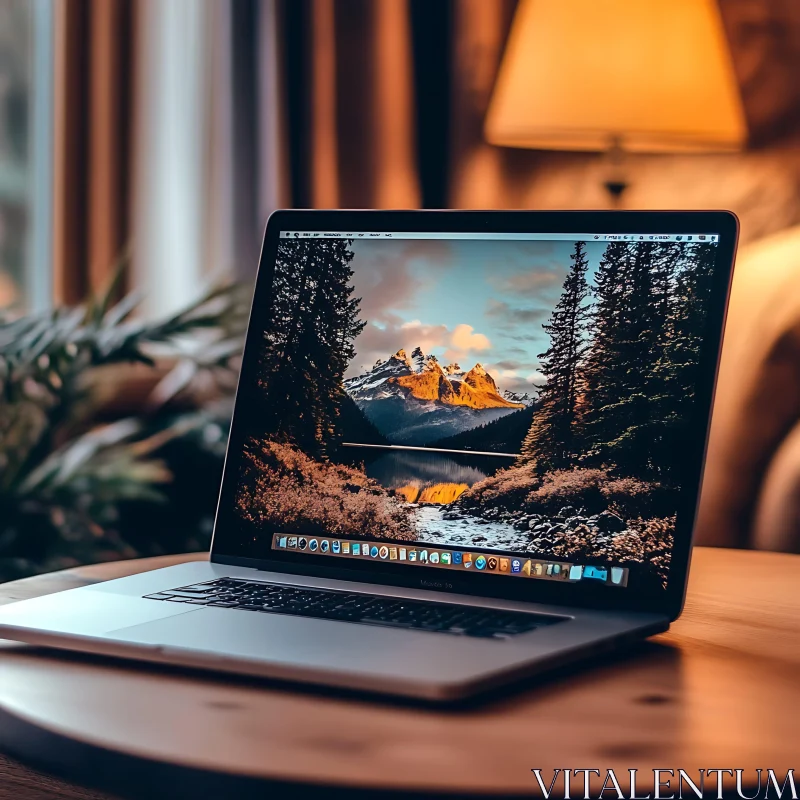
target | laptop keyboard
[{"x": 360, "y": 608}]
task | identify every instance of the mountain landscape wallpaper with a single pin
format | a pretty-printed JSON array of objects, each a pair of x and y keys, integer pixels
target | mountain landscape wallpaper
[{"x": 511, "y": 396}]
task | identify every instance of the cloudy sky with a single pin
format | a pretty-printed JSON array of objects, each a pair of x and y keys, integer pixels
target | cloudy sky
[{"x": 461, "y": 300}]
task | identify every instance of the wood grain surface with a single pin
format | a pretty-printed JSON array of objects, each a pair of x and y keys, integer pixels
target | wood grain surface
[{"x": 711, "y": 692}]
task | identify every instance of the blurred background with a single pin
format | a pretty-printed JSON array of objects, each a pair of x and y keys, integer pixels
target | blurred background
[{"x": 144, "y": 143}]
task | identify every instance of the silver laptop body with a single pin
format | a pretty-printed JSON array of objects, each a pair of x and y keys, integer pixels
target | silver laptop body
[{"x": 437, "y": 429}]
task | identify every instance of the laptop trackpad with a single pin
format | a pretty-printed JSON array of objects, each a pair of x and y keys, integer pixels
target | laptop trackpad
[
  {"x": 270, "y": 637},
  {"x": 87, "y": 612},
  {"x": 303, "y": 642}
]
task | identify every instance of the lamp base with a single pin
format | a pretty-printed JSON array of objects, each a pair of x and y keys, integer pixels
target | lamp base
[
  {"x": 616, "y": 170},
  {"x": 615, "y": 188}
]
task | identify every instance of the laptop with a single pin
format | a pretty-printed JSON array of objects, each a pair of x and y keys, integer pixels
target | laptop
[{"x": 466, "y": 449}]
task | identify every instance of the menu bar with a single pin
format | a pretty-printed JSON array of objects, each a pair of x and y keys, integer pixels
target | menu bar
[
  {"x": 448, "y": 558},
  {"x": 708, "y": 238}
]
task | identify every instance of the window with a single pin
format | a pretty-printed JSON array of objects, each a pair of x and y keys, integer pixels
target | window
[{"x": 26, "y": 76}]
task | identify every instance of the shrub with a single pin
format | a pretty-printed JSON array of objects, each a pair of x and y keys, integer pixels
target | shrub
[
  {"x": 657, "y": 536},
  {"x": 630, "y": 497},
  {"x": 520, "y": 488},
  {"x": 282, "y": 488},
  {"x": 507, "y": 488},
  {"x": 570, "y": 487}
]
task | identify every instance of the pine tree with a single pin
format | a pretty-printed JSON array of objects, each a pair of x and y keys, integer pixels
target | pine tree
[
  {"x": 664, "y": 404},
  {"x": 630, "y": 372},
  {"x": 419, "y": 359},
  {"x": 552, "y": 440},
  {"x": 681, "y": 353},
  {"x": 605, "y": 369},
  {"x": 692, "y": 295},
  {"x": 308, "y": 343},
  {"x": 621, "y": 431}
]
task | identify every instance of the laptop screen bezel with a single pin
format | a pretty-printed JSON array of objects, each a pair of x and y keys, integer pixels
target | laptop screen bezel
[{"x": 229, "y": 529}]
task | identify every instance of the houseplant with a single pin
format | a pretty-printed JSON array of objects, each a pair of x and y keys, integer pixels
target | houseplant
[{"x": 91, "y": 467}]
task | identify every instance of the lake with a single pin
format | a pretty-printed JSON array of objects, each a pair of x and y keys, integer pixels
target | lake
[{"x": 425, "y": 476}]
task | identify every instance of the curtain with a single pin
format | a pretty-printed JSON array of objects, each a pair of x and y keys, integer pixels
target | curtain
[
  {"x": 182, "y": 125},
  {"x": 350, "y": 96},
  {"x": 92, "y": 164}
]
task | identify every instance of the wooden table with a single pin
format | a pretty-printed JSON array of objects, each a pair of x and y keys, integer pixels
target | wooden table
[{"x": 721, "y": 689}]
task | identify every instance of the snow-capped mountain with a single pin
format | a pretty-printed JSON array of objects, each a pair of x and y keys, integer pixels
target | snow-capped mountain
[
  {"x": 414, "y": 400},
  {"x": 374, "y": 383},
  {"x": 519, "y": 397},
  {"x": 423, "y": 378}
]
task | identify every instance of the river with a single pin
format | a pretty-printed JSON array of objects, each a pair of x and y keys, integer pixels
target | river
[{"x": 430, "y": 480}]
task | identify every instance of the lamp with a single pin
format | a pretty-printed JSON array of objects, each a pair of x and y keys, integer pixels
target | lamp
[{"x": 649, "y": 76}]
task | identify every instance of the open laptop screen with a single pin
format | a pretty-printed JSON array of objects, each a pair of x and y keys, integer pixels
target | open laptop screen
[{"x": 504, "y": 403}]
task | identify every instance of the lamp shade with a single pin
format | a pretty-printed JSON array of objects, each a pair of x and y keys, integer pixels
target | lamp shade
[{"x": 649, "y": 75}]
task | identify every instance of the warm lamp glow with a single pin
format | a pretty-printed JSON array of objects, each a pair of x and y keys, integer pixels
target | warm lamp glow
[{"x": 646, "y": 75}]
